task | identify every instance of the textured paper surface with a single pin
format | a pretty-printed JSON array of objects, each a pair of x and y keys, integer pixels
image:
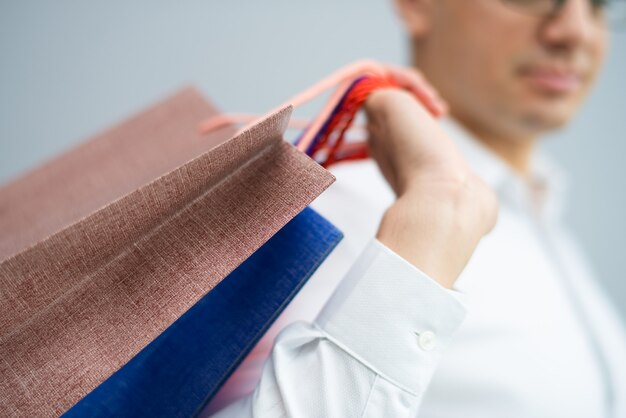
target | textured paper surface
[{"x": 99, "y": 265}]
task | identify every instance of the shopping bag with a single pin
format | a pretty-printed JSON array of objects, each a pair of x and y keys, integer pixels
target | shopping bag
[{"x": 105, "y": 247}]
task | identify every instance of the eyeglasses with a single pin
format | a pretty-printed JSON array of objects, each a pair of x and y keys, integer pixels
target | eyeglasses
[{"x": 609, "y": 13}]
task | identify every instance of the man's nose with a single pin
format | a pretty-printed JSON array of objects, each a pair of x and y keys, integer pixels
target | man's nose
[{"x": 575, "y": 23}]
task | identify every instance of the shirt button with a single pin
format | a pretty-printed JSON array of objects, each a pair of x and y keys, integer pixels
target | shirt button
[{"x": 427, "y": 340}]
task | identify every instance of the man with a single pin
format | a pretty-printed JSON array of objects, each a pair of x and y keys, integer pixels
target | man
[{"x": 533, "y": 335}]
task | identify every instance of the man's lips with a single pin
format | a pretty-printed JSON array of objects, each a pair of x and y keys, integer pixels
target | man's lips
[{"x": 551, "y": 80}]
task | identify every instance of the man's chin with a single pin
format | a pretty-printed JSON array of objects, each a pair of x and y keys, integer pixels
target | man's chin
[{"x": 549, "y": 117}]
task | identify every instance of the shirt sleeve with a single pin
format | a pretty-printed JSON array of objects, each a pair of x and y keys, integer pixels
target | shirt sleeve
[{"x": 371, "y": 351}]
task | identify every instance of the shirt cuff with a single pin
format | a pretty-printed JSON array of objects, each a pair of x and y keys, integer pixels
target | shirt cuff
[{"x": 393, "y": 316}]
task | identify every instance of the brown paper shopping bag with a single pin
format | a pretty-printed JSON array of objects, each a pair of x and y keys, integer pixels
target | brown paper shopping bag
[{"x": 104, "y": 247}]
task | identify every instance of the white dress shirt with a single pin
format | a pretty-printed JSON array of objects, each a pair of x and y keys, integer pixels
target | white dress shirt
[{"x": 527, "y": 333}]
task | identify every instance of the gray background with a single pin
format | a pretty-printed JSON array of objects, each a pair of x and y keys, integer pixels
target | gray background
[{"x": 70, "y": 68}]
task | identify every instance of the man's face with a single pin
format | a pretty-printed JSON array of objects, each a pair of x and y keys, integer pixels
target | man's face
[{"x": 509, "y": 72}]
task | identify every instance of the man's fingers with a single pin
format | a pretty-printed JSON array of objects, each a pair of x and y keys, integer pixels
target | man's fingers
[{"x": 413, "y": 81}]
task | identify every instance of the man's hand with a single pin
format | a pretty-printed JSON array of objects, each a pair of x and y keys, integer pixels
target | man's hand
[{"x": 442, "y": 209}]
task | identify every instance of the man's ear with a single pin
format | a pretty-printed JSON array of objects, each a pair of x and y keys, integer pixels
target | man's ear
[{"x": 415, "y": 14}]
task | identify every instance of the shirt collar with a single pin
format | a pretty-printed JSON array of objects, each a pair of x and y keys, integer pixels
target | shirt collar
[{"x": 541, "y": 195}]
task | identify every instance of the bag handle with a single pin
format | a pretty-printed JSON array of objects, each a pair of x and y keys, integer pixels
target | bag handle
[{"x": 323, "y": 137}]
